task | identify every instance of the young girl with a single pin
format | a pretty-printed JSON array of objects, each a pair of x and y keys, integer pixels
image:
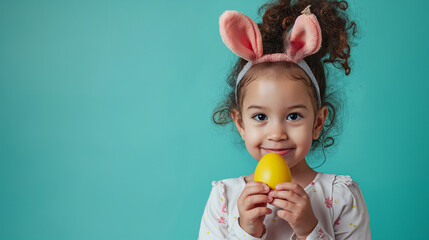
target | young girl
[{"x": 278, "y": 104}]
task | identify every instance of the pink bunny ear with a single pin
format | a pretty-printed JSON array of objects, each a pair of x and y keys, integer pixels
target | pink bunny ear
[
  {"x": 305, "y": 38},
  {"x": 241, "y": 34}
]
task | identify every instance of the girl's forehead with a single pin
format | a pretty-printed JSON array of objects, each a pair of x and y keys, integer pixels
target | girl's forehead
[{"x": 277, "y": 91}]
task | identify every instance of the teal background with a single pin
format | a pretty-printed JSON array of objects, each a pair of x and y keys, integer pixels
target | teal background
[{"x": 105, "y": 117}]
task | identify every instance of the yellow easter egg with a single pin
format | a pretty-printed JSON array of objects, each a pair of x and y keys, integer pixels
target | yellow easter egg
[{"x": 272, "y": 169}]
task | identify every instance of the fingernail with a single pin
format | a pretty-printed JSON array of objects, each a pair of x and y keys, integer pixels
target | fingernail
[
  {"x": 267, "y": 188},
  {"x": 270, "y": 199},
  {"x": 271, "y": 193},
  {"x": 278, "y": 186}
]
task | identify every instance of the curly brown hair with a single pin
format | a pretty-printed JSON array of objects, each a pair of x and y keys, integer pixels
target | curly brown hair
[{"x": 337, "y": 32}]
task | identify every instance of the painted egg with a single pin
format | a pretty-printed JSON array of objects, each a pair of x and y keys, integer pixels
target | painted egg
[{"x": 272, "y": 169}]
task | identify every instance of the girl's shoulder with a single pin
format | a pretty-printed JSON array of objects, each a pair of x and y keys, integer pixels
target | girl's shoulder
[
  {"x": 334, "y": 179},
  {"x": 229, "y": 185},
  {"x": 343, "y": 197},
  {"x": 340, "y": 186}
]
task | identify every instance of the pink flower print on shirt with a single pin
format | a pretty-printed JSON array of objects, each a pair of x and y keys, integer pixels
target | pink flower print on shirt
[
  {"x": 348, "y": 182},
  {"x": 321, "y": 234},
  {"x": 221, "y": 220},
  {"x": 337, "y": 222},
  {"x": 223, "y": 199},
  {"x": 328, "y": 202}
]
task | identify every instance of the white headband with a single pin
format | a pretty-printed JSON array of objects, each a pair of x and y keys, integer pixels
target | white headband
[{"x": 301, "y": 63}]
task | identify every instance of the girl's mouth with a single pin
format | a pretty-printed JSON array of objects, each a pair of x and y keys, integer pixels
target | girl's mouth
[{"x": 281, "y": 152}]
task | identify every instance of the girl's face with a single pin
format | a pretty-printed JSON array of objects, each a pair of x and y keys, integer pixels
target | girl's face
[{"x": 278, "y": 116}]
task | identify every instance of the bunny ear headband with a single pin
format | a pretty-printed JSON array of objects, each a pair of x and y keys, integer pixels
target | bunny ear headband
[{"x": 242, "y": 36}]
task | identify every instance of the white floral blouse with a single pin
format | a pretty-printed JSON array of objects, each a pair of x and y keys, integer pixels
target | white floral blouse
[{"x": 336, "y": 200}]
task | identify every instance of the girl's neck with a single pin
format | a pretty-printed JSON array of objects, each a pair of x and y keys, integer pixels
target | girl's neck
[{"x": 301, "y": 174}]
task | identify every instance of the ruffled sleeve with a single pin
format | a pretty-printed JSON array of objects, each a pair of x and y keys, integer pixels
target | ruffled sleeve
[
  {"x": 213, "y": 223},
  {"x": 349, "y": 209}
]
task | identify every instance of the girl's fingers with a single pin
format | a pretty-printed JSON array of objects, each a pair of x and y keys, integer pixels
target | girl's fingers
[
  {"x": 287, "y": 195},
  {"x": 253, "y": 200},
  {"x": 285, "y": 215},
  {"x": 291, "y": 187},
  {"x": 253, "y": 193},
  {"x": 255, "y": 188},
  {"x": 259, "y": 211},
  {"x": 285, "y": 205}
]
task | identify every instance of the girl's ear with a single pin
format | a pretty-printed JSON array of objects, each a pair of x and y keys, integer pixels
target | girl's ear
[
  {"x": 305, "y": 38},
  {"x": 241, "y": 34},
  {"x": 319, "y": 122},
  {"x": 236, "y": 117}
]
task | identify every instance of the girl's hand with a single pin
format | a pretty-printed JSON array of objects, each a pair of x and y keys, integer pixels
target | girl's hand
[
  {"x": 296, "y": 208},
  {"x": 252, "y": 207}
]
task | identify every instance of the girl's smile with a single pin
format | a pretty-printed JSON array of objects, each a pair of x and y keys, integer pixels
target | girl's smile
[{"x": 282, "y": 151}]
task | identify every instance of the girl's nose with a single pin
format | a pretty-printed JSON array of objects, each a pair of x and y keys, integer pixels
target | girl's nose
[{"x": 277, "y": 132}]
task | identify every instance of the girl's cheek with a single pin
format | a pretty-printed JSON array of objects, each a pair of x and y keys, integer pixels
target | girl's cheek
[
  {"x": 308, "y": 140},
  {"x": 301, "y": 136}
]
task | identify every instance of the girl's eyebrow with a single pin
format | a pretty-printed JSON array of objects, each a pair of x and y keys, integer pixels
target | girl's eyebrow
[
  {"x": 255, "y": 106},
  {"x": 298, "y": 106},
  {"x": 291, "y": 107}
]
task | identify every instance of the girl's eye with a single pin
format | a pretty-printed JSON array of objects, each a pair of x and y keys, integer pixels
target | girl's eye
[
  {"x": 294, "y": 116},
  {"x": 260, "y": 117}
]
